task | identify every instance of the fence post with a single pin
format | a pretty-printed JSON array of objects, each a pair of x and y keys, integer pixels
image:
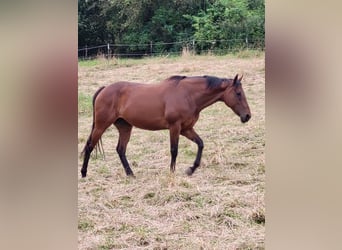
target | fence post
[
  {"x": 151, "y": 48},
  {"x": 86, "y": 52},
  {"x": 108, "y": 52}
]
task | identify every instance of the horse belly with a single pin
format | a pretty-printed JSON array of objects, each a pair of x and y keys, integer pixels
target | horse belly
[
  {"x": 152, "y": 124},
  {"x": 146, "y": 121},
  {"x": 144, "y": 116}
]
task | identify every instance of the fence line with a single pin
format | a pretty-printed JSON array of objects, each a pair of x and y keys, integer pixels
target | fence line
[{"x": 108, "y": 49}]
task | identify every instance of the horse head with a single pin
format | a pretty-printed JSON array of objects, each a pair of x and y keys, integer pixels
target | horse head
[{"x": 234, "y": 97}]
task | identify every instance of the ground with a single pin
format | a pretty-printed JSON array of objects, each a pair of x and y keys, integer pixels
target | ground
[{"x": 221, "y": 206}]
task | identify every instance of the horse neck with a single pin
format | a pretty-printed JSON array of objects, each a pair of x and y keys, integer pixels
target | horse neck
[{"x": 205, "y": 98}]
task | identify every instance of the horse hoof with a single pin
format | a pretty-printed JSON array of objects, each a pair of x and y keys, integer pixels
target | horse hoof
[
  {"x": 189, "y": 171},
  {"x": 83, "y": 174}
]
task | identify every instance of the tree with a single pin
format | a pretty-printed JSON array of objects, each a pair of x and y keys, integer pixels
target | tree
[
  {"x": 231, "y": 22},
  {"x": 138, "y": 22},
  {"x": 91, "y": 22}
]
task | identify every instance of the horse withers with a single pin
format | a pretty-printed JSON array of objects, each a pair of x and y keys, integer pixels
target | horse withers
[{"x": 173, "y": 104}]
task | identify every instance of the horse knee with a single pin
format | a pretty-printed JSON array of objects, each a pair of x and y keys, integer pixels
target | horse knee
[
  {"x": 120, "y": 150},
  {"x": 200, "y": 144}
]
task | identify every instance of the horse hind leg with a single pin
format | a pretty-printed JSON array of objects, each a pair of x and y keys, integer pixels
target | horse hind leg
[
  {"x": 93, "y": 139},
  {"x": 86, "y": 155},
  {"x": 125, "y": 130}
]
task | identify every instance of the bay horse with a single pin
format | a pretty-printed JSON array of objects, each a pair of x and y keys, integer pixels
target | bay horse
[{"x": 173, "y": 104}]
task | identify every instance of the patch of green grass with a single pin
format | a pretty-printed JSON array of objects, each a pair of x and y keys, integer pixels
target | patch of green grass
[
  {"x": 88, "y": 63},
  {"x": 129, "y": 62},
  {"x": 102, "y": 62},
  {"x": 126, "y": 198},
  {"x": 180, "y": 197},
  {"x": 189, "y": 152},
  {"x": 111, "y": 204},
  {"x": 81, "y": 140},
  {"x": 125, "y": 227},
  {"x": 103, "y": 170},
  {"x": 258, "y": 216},
  {"x": 230, "y": 213},
  {"x": 97, "y": 191},
  {"x": 149, "y": 195},
  {"x": 142, "y": 231},
  {"x": 85, "y": 106},
  {"x": 125, "y": 201},
  {"x": 110, "y": 244},
  {"x": 85, "y": 225},
  {"x": 248, "y": 53},
  {"x": 237, "y": 165},
  {"x": 185, "y": 184},
  {"x": 201, "y": 201},
  {"x": 261, "y": 169},
  {"x": 227, "y": 217},
  {"x": 186, "y": 226}
]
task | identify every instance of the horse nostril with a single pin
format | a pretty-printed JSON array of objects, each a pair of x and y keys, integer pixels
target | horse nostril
[{"x": 246, "y": 118}]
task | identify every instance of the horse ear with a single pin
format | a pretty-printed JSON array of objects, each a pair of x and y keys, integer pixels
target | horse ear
[
  {"x": 240, "y": 78},
  {"x": 235, "y": 80}
]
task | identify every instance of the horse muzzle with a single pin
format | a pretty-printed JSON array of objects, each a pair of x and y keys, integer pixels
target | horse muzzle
[{"x": 245, "y": 118}]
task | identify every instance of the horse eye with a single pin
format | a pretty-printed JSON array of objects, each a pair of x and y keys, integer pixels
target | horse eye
[{"x": 238, "y": 94}]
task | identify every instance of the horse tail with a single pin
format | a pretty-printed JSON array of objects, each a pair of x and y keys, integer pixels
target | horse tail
[{"x": 100, "y": 147}]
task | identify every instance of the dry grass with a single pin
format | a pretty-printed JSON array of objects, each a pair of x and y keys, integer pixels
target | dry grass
[{"x": 220, "y": 207}]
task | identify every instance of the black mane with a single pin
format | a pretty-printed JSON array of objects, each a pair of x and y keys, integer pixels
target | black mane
[
  {"x": 214, "y": 82},
  {"x": 211, "y": 81},
  {"x": 176, "y": 78}
]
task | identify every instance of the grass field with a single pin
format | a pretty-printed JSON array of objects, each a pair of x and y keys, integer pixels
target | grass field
[{"x": 221, "y": 206}]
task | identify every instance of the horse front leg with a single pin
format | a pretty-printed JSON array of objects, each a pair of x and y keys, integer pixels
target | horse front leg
[
  {"x": 174, "y": 138},
  {"x": 193, "y": 136}
]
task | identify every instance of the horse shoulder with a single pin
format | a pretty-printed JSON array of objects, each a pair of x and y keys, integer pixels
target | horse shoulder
[{"x": 179, "y": 107}]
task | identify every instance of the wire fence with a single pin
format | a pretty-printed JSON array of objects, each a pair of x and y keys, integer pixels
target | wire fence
[{"x": 168, "y": 48}]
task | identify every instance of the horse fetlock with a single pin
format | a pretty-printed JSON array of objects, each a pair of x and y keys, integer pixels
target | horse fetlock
[
  {"x": 129, "y": 173},
  {"x": 189, "y": 171},
  {"x": 84, "y": 173}
]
